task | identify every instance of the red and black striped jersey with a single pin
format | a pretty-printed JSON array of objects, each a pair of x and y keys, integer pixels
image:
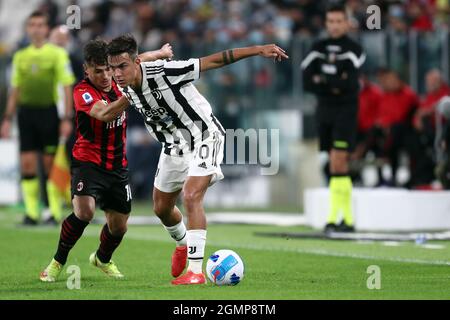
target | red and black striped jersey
[{"x": 98, "y": 142}]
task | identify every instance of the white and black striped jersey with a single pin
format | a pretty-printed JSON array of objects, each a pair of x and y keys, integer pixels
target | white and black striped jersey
[{"x": 174, "y": 112}]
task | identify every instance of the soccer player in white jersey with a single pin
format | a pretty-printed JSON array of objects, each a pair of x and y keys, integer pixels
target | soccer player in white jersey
[{"x": 178, "y": 116}]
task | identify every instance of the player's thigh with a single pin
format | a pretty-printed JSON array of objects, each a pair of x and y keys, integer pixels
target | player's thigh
[
  {"x": 171, "y": 172},
  {"x": 28, "y": 135},
  {"x": 84, "y": 207},
  {"x": 117, "y": 221},
  {"x": 325, "y": 136},
  {"x": 48, "y": 130},
  {"x": 88, "y": 181},
  {"x": 345, "y": 128},
  {"x": 164, "y": 202},
  {"x": 118, "y": 196},
  {"x": 339, "y": 160},
  {"x": 195, "y": 188},
  {"x": 207, "y": 159}
]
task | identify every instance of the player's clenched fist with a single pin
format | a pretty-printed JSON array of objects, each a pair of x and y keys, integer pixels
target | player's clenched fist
[{"x": 166, "y": 51}]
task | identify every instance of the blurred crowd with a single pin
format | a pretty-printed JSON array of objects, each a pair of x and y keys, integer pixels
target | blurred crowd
[
  {"x": 187, "y": 23},
  {"x": 393, "y": 117},
  {"x": 395, "y": 121}
]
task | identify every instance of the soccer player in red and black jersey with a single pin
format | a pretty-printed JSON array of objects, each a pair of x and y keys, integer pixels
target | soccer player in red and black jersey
[{"x": 99, "y": 166}]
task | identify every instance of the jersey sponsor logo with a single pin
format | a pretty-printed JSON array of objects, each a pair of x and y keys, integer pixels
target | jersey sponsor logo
[
  {"x": 80, "y": 186},
  {"x": 117, "y": 122},
  {"x": 87, "y": 97},
  {"x": 155, "y": 114}
]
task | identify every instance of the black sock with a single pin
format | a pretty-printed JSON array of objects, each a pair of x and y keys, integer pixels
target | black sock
[
  {"x": 108, "y": 243},
  {"x": 71, "y": 230}
]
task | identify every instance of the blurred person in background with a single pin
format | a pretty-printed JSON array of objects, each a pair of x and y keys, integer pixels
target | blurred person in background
[
  {"x": 423, "y": 135},
  {"x": 436, "y": 88},
  {"x": 37, "y": 70},
  {"x": 368, "y": 108},
  {"x": 397, "y": 106},
  {"x": 61, "y": 37},
  {"x": 331, "y": 71}
]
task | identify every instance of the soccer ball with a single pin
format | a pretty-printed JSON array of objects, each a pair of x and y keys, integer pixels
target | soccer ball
[{"x": 225, "y": 267}]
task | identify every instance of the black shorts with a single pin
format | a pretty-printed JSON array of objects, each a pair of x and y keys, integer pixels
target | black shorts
[
  {"x": 337, "y": 127},
  {"x": 110, "y": 188},
  {"x": 38, "y": 129}
]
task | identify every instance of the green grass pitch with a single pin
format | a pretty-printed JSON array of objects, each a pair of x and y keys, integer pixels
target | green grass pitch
[{"x": 275, "y": 268}]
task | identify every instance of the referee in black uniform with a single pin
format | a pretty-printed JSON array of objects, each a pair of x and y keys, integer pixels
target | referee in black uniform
[{"x": 331, "y": 72}]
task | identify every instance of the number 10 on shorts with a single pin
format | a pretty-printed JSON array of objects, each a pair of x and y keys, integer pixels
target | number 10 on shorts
[{"x": 128, "y": 190}]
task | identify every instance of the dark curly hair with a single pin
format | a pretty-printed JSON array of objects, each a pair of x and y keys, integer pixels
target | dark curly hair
[
  {"x": 95, "y": 52},
  {"x": 336, "y": 7},
  {"x": 123, "y": 44}
]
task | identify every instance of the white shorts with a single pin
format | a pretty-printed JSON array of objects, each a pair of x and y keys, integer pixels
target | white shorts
[{"x": 204, "y": 160}]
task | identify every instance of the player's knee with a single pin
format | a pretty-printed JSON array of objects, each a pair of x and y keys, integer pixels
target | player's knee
[
  {"x": 161, "y": 209},
  {"x": 119, "y": 229},
  {"x": 339, "y": 162},
  {"x": 340, "y": 167},
  {"x": 85, "y": 214},
  {"x": 28, "y": 168},
  {"x": 192, "y": 197}
]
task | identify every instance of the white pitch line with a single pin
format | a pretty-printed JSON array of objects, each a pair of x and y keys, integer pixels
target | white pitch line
[{"x": 319, "y": 252}]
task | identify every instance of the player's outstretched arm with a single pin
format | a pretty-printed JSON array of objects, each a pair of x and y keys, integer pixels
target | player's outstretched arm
[
  {"x": 164, "y": 53},
  {"x": 111, "y": 111},
  {"x": 220, "y": 59}
]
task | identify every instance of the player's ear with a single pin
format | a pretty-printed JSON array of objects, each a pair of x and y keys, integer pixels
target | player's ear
[
  {"x": 85, "y": 69},
  {"x": 137, "y": 60}
]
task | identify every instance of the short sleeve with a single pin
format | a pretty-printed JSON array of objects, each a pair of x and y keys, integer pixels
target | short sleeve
[
  {"x": 84, "y": 99},
  {"x": 64, "y": 70},
  {"x": 15, "y": 75},
  {"x": 182, "y": 71}
]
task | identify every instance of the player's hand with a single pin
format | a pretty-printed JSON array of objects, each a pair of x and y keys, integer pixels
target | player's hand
[
  {"x": 166, "y": 51},
  {"x": 65, "y": 128},
  {"x": 5, "y": 130},
  {"x": 273, "y": 51}
]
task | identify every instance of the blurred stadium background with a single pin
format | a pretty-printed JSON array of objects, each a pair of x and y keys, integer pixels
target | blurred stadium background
[{"x": 413, "y": 40}]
